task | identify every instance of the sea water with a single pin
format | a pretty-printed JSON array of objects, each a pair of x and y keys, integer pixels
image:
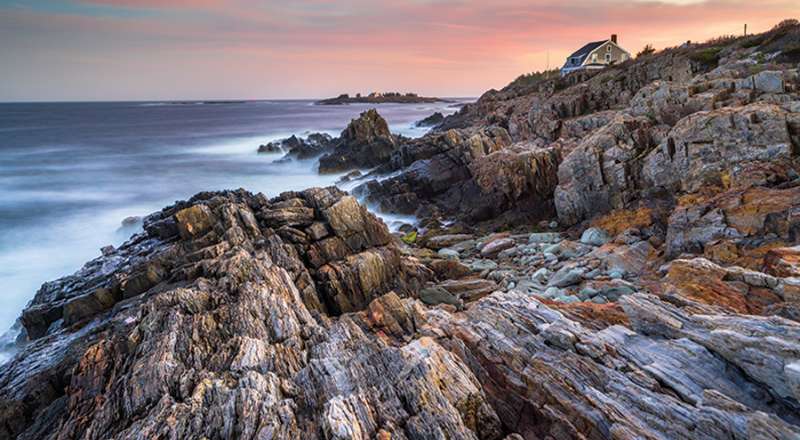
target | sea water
[{"x": 71, "y": 172}]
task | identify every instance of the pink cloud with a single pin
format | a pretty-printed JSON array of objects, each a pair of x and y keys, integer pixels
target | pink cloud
[{"x": 321, "y": 47}]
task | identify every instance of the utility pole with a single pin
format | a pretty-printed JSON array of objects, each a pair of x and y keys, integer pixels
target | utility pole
[
  {"x": 745, "y": 29},
  {"x": 547, "y": 69}
]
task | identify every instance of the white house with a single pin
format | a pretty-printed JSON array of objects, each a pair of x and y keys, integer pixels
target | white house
[{"x": 596, "y": 55}]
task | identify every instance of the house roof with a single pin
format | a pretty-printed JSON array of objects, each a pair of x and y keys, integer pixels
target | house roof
[{"x": 583, "y": 52}]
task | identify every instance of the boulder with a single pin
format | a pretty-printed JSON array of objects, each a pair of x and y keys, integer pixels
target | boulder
[{"x": 595, "y": 237}]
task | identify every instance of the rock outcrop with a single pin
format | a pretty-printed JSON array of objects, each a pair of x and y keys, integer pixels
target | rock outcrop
[
  {"x": 472, "y": 176},
  {"x": 431, "y": 121},
  {"x": 235, "y": 316},
  {"x": 365, "y": 143},
  {"x": 313, "y": 146},
  {"x": 622, "y": 263}
]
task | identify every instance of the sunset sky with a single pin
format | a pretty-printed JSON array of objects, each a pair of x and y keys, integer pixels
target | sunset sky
[{"x": 215, "y": 49}]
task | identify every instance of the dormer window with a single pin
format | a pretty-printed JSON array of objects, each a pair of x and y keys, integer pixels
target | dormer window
[{"x": 576, "y": 61}]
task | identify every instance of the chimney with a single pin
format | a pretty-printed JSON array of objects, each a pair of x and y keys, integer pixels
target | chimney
[{"x": 614, "y": 38}]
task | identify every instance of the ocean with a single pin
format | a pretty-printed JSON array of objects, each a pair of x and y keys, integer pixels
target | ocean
[{"x": 71, "y": 172}]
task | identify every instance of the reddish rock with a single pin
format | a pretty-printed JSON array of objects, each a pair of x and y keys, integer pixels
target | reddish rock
[{"x": 783, "y": 262}]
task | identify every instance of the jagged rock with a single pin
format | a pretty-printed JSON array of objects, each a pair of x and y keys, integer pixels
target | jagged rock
[
  {"x": 732, "y": 289},
  {"x": 768, "y": 81},
  {"x": 431, "y": 121},
  {"x": 733, "y": 215},
  {"x": 736, "y": 339},
  {"x": 596, "y": 176},
  {"x": 546, "y": 357},
  {"x": 470, "y": 175},
  {"x": 667, "y": 102},
  {"x": 237, "y": 316},
  {"x": 703, "y": 146},
  {"x": 298, "y": 148},
  {"x": 232, "y": 309},
  {"x": 365, "y": 143}
]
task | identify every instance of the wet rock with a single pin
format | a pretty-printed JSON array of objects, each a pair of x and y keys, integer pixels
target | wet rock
[
  {"x": 132, "y": 221},
  {"x": 365, "y": 143},
  {"x": 299, "y": 148},
  {"x": 431, "y": 121},
  {"x": 470, "y": 175},
  {"x": 270, "y": 148}
]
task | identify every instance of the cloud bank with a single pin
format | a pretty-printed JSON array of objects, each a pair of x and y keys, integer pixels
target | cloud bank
[{"x": 184, "y": 49}]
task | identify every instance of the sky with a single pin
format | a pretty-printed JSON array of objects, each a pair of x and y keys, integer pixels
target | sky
[{"x": 68, "y": 50}]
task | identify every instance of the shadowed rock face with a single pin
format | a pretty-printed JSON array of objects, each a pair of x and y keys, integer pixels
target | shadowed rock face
[{"x": 473, "y": 176}]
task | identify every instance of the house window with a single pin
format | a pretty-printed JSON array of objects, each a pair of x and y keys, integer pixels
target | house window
[
  {"x": 576, "y": 61},
  {"x": 608, "y": 48},
  {"x": 594, "y": 57},
  {"x": 608, "y": 57}
]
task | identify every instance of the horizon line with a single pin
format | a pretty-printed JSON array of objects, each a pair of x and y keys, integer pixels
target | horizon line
[{"x": 193, "y": 100}]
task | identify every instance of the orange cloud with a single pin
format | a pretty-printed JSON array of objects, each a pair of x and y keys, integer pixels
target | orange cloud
[{"x": 313, "y": 48}]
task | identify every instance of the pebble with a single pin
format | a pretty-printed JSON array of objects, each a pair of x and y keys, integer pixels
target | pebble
[
  {"x": 553, "y": 292},
  {"x": 566, "y": 277},
  {"x": 544, "y": 237},
  {"x": 481, "y": 265},
  {"x": 616, "y": 274},
  {"x": 449, "y": 254},
  {"x": 541, "y": 275}
]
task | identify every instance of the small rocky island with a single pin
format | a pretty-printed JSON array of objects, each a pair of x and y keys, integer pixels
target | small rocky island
[
  {"x": 380, "y": 98},
  {"x": 614, "y": 256}
]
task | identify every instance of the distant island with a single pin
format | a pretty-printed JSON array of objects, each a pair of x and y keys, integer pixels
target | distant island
[{"x": 379, "y": 98}]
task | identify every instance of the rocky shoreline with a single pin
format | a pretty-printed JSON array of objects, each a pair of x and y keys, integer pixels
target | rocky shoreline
[
  {"x": 382, "y": 98},
  {"x": 612, "y": 258}
]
